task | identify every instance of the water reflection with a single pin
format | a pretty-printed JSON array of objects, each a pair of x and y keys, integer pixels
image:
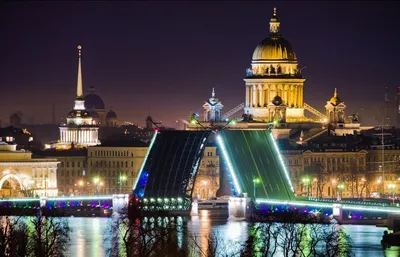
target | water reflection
[{"x": 89, "y": 236}]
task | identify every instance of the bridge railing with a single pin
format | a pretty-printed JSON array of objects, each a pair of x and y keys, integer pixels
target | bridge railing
[{"x": 361, "y": 202}]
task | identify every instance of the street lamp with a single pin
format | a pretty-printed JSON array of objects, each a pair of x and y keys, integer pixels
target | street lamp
[
  {"x": 340, "y": 188},
  {"x": 306, "y": 181},
  {"x": 392, "y": 186},
  {"x": 255, "y": 181},
  {"x": 80, "y": 183},
  {"x": 121, "y": 180},
  {"x": 96, "y": 181}
]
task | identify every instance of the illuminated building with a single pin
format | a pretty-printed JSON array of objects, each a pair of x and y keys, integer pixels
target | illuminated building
[
  {"x": 115, "y": 164},
  {"x": 274, "y": 79},
  {"x": 80, "y": 130},
  {"x": 336, "y": 118},
  {"x": 213, "y": 109},
  {"x": 22, "y": 175},
  {"x": 207, "y": 179}
]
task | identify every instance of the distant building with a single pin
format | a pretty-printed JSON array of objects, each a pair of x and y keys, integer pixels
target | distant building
[
  {"x": 15, "y": 119},
  {"x": 114, "y": 166}
]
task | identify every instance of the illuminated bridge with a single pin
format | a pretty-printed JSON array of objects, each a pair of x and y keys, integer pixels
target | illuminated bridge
[
  {"x": 168, "y": 173},
  {"x": 84, "y": 206}
]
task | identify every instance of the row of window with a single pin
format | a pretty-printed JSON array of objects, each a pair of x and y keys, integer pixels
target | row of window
[
  {"x": 78, "y": 164},
  {"x": 101, "y": 153},
  {"x": 104, "y": 173},
  {"x": 111, "y": 164}
]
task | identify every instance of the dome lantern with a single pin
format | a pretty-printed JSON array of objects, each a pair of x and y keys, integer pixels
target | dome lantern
[{"x": 274, "y": 23}]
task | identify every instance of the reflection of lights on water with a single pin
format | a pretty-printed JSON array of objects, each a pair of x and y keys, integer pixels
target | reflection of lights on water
[
  {"x": 235, "y": 230},
  {"x": 204, "y": 213}
]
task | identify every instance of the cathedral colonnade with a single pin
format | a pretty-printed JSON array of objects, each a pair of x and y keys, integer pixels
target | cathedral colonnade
[
  {"x": 79, "y": 136},
  {"x": 260, "y": 95}
]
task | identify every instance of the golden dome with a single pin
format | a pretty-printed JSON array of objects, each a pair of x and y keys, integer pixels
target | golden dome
[
  {"x": 335, "y": 100},
  {"x": 274, "y": 47}
]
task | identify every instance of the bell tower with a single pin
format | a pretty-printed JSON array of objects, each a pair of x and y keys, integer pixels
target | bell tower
[
  {"x": 335, "y": 111},
  {"x": 213, "y": 109}
]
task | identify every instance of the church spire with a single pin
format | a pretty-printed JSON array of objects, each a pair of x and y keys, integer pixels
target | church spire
[
  {"x": 79, "y": 90},
  {"x": 79, "y": 101},
  {"x": 213, "y": 93},
  {"x": 335, "y": 93},
  {"x": 274, "y": 23}
]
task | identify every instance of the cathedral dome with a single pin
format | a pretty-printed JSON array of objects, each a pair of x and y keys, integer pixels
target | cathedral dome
[
  {"x": 94, "y": 114},
  {"x": 94, "y": 101},
  {"x": 274, "y": 47},
  {"x": 277, "y": 100},
  {"x": 111, "y": 115}
]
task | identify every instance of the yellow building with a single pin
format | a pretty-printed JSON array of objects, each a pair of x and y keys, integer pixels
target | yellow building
[
  {"x": 350, "y": 174},
  {"x": 208, "y": 176},
  {"x": 114, "y": 166},
  {"x": 22, "y": 175},
  {"x": 274, "y": 83}
]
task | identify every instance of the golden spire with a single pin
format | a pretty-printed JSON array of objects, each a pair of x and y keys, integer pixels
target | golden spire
[
  {"x": 335, "y": 93},
  {"x": 274, "y": 11},
  {"x": 79, "y": 90}
]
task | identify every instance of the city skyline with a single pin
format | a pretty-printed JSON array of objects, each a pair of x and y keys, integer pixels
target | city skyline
[{"x": 153, "y": 58}]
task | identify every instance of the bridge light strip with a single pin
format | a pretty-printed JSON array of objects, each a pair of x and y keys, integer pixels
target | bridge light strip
[
  {"x": 344, "y": 207},
  {"x": 230, "y": 167},
  {"x": 145, "y": 158},
  {"x": 282, "y": 163},
  {"x": 321, "y": 205},
  {"x": 79, "y": 198},
  {"x": 376, "y": 209}
]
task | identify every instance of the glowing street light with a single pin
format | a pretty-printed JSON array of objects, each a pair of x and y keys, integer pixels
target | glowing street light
[
  {"x": 96, "y": 181},
  {"x": 306, "y": 181},
  {"x": 340, "y": 188},
  {"x": 392, "y": 186},
  {"x": 255, "y": 181},
  {"x": 121, "y": 180}
]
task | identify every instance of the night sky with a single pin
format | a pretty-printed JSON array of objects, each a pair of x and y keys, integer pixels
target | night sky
[{"x": 164, "y": 58}]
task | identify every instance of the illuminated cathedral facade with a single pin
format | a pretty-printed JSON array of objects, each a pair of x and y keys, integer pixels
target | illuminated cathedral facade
[{"x": 274, "y": 80}]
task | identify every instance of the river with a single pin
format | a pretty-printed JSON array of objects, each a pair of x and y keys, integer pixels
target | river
[{"x": 88, "y": 238}]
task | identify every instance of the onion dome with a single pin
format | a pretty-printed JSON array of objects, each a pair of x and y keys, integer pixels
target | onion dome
[
  {"x": 335, "y": 100},
  {"x": 274, "y": 47},
  {"x": 277, "y": 100},
  {"x": 111, "y": 115},
  {"x": 213, "y": 100}
]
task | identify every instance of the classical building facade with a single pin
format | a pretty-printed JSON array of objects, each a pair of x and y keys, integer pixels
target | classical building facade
[
  {"x": 274, "y": 72},
  {"x": 23, "y": 176},
  {"x": 113, "y": 167}
]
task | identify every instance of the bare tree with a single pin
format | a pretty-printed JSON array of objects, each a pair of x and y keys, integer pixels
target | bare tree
[
  {"x": 145, "y": 237},
  {"x": 50, "y": 236},
  {"x": 13, "y": 237}
]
